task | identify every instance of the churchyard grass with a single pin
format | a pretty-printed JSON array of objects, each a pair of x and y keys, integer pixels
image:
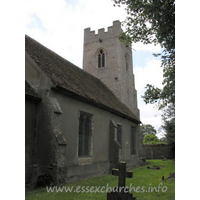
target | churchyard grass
[{"x": 142, "y": 177}]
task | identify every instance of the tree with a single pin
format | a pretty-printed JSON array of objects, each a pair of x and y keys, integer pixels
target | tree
[
  {"x": 151, "y": 139},
  {"x": 153, "y": 22},
  {"x": 163, "y": 139},
  {"x": 169, "y": 125},
  {"x": 147, "y": 129},
  {"x": 150, "y": 21}
]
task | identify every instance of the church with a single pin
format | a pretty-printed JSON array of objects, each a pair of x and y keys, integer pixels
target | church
[{"x": 80, "y": 122}]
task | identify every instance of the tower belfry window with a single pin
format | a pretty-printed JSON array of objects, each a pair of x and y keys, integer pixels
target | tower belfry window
[{"x": 101, "y": 58}]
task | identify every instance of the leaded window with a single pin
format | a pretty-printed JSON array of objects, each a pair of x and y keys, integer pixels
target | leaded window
[
  {"x": 133, "y": 140},
  {"x": 85, "y": 134},
  {"x": 119, "y": 133},
  {"x": 101, "y": 58}
]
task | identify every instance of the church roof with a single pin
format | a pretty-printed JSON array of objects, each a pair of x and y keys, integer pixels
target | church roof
[{"x": 71, "y": 79}]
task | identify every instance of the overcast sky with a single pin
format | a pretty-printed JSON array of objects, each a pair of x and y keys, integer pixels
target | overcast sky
[{"x": 60, "y": 24}]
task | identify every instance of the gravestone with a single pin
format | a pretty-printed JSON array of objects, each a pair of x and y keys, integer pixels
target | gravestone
[
  {"x": 171, "y": 175},
  {"x": 155, "y": 167},
  {"x": 121, "y": 192}
]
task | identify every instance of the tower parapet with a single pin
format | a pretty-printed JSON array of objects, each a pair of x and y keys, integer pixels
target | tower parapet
[{"x": 113, "y": 31}]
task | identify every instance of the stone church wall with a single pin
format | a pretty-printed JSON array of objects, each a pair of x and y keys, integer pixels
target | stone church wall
[
  {"x": 56, "y": 159},
  {"x": 40, "y": 141},
  {"x": 77, "y": 168},
  {"x": 30, "y": 129}
]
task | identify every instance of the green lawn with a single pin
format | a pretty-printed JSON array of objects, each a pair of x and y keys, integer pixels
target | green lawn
[{"x": 143, "y": 181}]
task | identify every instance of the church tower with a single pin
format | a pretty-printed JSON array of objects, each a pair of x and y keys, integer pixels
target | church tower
[{"x": 110, "y": 60}]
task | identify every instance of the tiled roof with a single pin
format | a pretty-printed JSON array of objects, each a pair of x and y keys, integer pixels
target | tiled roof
[{"x": 72, "y": 79}]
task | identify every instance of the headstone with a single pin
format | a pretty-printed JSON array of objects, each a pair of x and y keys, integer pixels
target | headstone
[
  {"x": 155, "y": 167},
  {"x": 120, "y": 192},
  {"x": 171, "y": 175}
]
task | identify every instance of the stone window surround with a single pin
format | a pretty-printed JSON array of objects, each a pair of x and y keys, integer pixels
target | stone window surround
[
  {"x": 86, "y": 159},
  {"x": 97, "y": 58},
  {"x": 134, "y": 143}
]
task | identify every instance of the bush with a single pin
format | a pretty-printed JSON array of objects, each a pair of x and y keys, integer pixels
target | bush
[{"x": 151, "y": 139}]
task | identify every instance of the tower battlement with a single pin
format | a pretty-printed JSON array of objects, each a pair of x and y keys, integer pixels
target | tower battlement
[{"x": 113, "y": 31}]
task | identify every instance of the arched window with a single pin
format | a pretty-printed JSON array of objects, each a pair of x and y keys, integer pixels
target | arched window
[
  {"x": 101, "y": 58},
  {"x": 85, "y": 134}
]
